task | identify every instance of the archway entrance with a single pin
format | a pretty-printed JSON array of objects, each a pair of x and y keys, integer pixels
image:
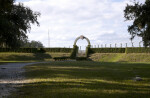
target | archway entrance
[{"x": 82, "y": 51}]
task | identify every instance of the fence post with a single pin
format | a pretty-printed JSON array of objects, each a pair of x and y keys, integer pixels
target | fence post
[
  {"x": 139, "y": 44},
  {"x": 126, "y": 45}
]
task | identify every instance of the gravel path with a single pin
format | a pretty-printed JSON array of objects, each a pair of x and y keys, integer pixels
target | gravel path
[{"x": 11, "y": 77}]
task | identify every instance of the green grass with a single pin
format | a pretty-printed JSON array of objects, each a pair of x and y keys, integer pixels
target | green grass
[
  {"x": 121, "y": 57},
  {"x": 29, "y": 57},
  {"x": 85, "y": 79}
]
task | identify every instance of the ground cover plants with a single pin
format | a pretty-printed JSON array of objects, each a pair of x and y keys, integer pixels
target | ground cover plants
[{"x": 84, "y": 79}]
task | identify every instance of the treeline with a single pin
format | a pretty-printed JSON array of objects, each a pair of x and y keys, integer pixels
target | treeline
[{"x": 31, "y": 44}]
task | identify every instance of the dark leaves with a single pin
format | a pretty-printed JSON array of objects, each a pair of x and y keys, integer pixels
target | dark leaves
[
  {"x": 140, "y": 14},
  {"x": 15, "y": 22}
]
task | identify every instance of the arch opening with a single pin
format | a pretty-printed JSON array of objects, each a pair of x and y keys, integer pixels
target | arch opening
[{"x": 81, "y": 45}]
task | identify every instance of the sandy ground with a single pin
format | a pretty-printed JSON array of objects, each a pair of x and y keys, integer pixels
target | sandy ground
[{"x": 11, "y": 77}]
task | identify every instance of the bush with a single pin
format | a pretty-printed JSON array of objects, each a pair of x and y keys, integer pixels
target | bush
[
  {"x": 74, "y": 52},
  {"x": 61, "y": 58},
  {"x": 138, "y": 50},
  {"x": 36, "y": 50},
  {"x": 64, "y": 50},
  {"x": 107, "y": 50},
  {"x": 81, "y": 58}
]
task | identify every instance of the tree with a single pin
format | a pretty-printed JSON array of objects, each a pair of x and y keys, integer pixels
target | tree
[
  {"x": 140, "y": 15},
  {"x": 32, "y": 44},
  {"x": 15, "y": 22}
]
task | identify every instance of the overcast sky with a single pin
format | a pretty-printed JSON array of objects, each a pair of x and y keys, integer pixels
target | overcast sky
[{"x": 102, "y": 21}]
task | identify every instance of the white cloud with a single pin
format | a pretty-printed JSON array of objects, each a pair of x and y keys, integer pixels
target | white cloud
[{"x": 100, "y": 20}]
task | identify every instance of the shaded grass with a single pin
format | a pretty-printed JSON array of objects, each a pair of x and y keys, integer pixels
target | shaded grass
[
  {"x": 85, "y": 79},
  {"x": 29, "y": 57}
]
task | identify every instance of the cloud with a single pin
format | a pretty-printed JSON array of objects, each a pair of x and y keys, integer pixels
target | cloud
[{"x": 100, "y": 20}]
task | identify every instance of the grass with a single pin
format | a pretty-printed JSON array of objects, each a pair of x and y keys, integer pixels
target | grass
[
  {"x": 121, "y": 57},
  {"x": 85, "y": 79},
  {"x": 29, "y": 57}
]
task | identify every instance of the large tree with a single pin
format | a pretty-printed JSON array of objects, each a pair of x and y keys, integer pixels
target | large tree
[
  {"x": 140, "y": 15},
  {"x": 15, "y": 22}
]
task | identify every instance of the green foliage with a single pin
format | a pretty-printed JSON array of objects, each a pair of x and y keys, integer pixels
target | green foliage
[
  {"x": 61, "y": 58},
  {"x": 138, "y": 50},
  {"x": 81, "y": 58},
  {"x": 140, "y": 15},
  {"x": 107, "y": 50},
  {"x": 74, "y": 52},
  {"x": 63, "y": 50},
  {"x": 87, "y": 50},
  {"x": 32, "y": 44},
  {"x": 36, "y": 50},
  {"x": 15, "y": 22},
  {"x": 22, "y": 50}
]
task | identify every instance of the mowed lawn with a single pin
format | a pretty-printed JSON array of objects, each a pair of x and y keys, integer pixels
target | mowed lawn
[{"x": 85, "y": 79}]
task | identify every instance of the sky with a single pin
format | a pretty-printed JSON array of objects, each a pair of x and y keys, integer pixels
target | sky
[{"x": 101, "y": 21}]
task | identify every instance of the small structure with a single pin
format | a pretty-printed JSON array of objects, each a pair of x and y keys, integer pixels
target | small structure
[{"x": 75, "y": 47}]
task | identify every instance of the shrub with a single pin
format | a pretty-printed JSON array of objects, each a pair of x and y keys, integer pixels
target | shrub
[
  {"x": 61, "y": 58},
  {"x": 107, "y": 50},
  {"x": 81, "y": 58},
  {"x": 138, "y": 50},
  {"x": 36, "y": 50}
]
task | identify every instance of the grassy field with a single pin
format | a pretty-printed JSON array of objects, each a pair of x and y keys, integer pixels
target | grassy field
[
  {"x": 85, "y": 79},
  {"x": 29, "y": 57},
  {"x": 120, "y": 57}
]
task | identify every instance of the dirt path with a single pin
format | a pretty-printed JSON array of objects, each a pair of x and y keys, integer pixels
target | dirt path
[{"x": 11, "y": 77}]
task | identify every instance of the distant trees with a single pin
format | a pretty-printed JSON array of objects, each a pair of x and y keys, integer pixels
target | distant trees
[
  {"x": 15, "y": 22},
  {"x": 140, "y": 14},
  {"x": 32, "y": 44}
]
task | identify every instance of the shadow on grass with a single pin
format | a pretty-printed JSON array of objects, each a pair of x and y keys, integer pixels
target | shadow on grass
[
  {"x": 26, "y": 57},
  {"x": 80, "y": 89},
  {"x": 86, "y": 79}
]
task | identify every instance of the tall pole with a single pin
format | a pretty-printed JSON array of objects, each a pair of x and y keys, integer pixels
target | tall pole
[{"x": 48, "y": 39}]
